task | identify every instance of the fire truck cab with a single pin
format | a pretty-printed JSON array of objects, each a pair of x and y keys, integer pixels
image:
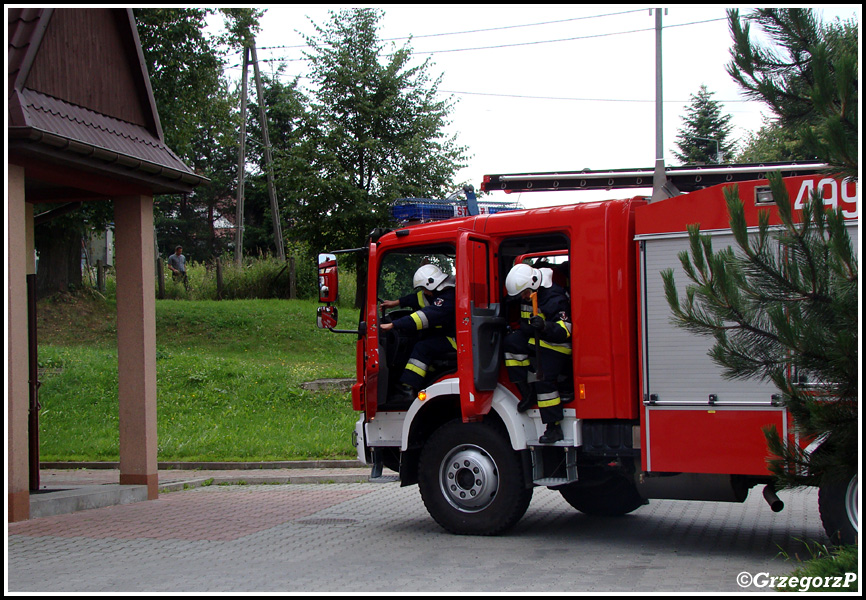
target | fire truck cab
[{"x": 647, "y": 413}]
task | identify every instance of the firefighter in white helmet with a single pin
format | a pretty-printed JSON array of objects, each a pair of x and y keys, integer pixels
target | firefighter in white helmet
[
  {"x": 433, "y": 304},
  {"x": 545, "y": 330}
]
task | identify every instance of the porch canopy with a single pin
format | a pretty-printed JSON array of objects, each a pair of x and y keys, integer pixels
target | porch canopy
[{"x": 82, "y": 127}]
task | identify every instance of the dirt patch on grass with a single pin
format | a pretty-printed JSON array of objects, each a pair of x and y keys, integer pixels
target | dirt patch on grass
[{"x": 76, "y": 319}]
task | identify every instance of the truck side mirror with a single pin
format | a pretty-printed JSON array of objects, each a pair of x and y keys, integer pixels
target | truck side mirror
[{"x": 327, "y": 278}]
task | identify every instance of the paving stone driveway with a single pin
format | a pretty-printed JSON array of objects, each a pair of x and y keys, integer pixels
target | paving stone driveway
[{"x": 378, "y": 538}]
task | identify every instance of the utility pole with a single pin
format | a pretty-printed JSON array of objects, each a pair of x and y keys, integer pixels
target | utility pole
[
  {"x": 269, "y": 165},
  {"x": 239, "y": 210},
  {"x": 661, "y": 189},
  {"x": 269, "y": 168}
]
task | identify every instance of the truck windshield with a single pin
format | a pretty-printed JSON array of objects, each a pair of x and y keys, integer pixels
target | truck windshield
[{"x": 398, "y": 267}]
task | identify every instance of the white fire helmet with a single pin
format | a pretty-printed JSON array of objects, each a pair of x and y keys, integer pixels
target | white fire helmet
[
  {"x": 430, "y": 277},
  {"x": 522, "y": 277}
]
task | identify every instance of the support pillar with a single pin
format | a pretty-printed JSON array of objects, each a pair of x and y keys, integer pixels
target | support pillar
[
  {"x": 136, "y": 341},
  {"x": 18, "y": 390}
]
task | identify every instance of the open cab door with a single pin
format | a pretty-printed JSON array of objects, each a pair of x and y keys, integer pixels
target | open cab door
[{"x": 480, "y": 325}]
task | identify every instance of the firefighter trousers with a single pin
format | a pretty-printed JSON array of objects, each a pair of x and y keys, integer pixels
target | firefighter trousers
[
  {"x": 550, "y": 364},
  {"x": 420, "y": 361}
]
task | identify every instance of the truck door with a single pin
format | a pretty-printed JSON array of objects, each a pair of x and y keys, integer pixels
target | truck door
[
  {"x": 369, "y": 350},
  {"x": 480, "y": 326}
]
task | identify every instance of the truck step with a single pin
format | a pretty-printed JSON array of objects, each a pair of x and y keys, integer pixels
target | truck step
[
  {"x": 378, "y": 467},
  {"x": 566, "y": 443},
  {"x": 541, "y": 475}
]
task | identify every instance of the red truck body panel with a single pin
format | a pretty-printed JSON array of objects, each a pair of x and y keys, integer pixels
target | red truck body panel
[{"x": 709, "y": 440}]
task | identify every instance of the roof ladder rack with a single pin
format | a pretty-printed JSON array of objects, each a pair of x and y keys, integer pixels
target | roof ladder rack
[{"x": 683, "y": 179}]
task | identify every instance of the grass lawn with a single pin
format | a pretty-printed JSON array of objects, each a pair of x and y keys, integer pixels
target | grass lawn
[{"x": 229, "y": 378}]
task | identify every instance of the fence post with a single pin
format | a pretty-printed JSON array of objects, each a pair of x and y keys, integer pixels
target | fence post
[
  {"x": 100, "y": 276},
  {"x": 293, "y": 292},
  {"x": 160, "y": 278},
  {"x": 219, "y": 278}
]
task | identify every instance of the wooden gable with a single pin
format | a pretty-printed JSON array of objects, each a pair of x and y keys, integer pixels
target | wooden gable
[
  {"x": 86, "y": 58},
  {"x": 80, "y": 104}
]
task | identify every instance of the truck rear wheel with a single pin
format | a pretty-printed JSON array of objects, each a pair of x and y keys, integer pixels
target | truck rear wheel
[
  {"x": 837, "y": 503},
  {"x": 471, "y": 480},
  {"x": 610, "y": 497}
]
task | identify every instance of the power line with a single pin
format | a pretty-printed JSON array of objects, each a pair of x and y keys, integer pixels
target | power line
[
  {"x": 502, "y": 28},
  {"x": 520, "y": 96},
  {"x": 571, "y": 39},
  {"x": 614, "y": 14},
  {"x": 499, "y": 46},
  {"x": 528, "y": 97},
  {"x": 561, "y": 98}
]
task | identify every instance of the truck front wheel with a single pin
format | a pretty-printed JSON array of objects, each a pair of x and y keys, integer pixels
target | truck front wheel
[
  {"x": 837, "y": 503},
  {"x": 471, "y": 480}
]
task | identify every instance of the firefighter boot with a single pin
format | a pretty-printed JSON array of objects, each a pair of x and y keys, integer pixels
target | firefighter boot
[
  {"x": 404, "y": 393},
  {"x": 552, "y": 434},
  {"x": 527, "y": 396}
]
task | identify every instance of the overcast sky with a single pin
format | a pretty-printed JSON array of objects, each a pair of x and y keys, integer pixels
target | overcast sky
[{"x": 551, "y": 87}]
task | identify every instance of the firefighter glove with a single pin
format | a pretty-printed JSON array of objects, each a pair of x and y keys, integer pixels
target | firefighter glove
[{"x": 537, "y": 323}]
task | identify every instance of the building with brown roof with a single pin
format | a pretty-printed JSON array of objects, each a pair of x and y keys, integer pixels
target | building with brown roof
[{"x": 83, "y": 126}]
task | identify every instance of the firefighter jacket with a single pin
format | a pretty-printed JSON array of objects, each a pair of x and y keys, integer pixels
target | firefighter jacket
[
  {"x": 415, "y": 300},
  {"x": 553, "y": 308},
  {"x": 436, "y": 314}
]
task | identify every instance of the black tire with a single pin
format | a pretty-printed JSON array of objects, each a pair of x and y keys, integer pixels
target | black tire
[
  {"x": 837, "y": 503},
  {"x": 611, "y": 497},
  {"x": 471, "y": 480}
]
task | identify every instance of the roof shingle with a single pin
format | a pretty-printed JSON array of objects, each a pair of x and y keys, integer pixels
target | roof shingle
[{"x": 66, "y": 120}]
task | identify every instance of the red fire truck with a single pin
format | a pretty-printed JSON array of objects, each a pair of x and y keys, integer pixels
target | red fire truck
[{"x": 648, "y": 414}]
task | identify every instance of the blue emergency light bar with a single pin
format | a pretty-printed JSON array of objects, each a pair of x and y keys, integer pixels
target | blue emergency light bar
[{"x": 428, "y": 209}]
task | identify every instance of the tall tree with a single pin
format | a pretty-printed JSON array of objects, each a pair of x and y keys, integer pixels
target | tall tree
[
  {"x": 242, "y": 25},
  {"x": 379, "y": 130},
  {"x": 784, "y": 307},
  {"x": 703, "y": 138},
  {"x": 809, "y": 78},
  {"x": 196, "y": 111}
]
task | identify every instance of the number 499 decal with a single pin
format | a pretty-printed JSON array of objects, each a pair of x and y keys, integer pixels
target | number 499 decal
[{"x": 842, "y": 194}]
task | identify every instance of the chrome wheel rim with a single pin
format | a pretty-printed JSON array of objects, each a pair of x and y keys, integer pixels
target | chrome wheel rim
[{"x": 468, "y": 478}]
